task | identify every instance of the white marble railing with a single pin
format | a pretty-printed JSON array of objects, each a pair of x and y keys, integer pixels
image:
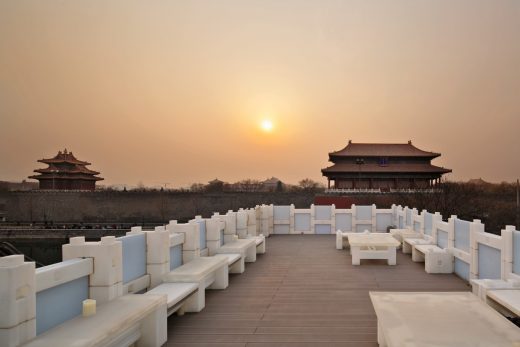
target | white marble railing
[{"x": 112, "y": 267}]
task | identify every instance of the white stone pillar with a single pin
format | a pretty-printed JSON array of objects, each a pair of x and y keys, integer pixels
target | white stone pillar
[
  {"x": 475, "y": 228},
  {"x": 191, "y": 246},
  {"x": 241, "y": 223},
  {"x": 214, "y": 227},
  {"x": 106, "y": 282},
  {"x": 17, "y": 301},
  {"x": 157, "y": 254}
]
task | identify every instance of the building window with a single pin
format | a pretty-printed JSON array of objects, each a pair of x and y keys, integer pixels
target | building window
[{"x": 383, "y": 161}]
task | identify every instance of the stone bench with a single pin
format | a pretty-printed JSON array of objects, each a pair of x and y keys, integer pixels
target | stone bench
[
  {"x": 372, "y": 246},
  {"x": 177, "y": 294},
  {"x": 419, "y": 252},
  {"x": 236, "y": 263},
  {"x": 128, "y": 319},
  {"x": 410, "y": 242},
  {"x": 206, "y": 272},
  {"x": 245, "y": 247},
  {"x": 260, "y": 243},
  {"x": 436, "y": 260},
  {"x": 480, "y": 287},
  {"x": 439, "y": 319},
  {"x": 401, "y": 234},
  {"x": 342, "y": 239},
  {"x": 505, "y": 301}
]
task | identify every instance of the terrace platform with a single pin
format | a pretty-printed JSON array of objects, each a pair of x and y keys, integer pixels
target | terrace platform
[{"x": 302, "y": 292}]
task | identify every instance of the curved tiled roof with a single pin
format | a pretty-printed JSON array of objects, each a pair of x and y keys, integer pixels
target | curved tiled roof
[
  {"x": 68, "y": 177},
  {"x": 382, "y": 150},
  {"x": 64, "y": 157},
  {"x": 75, "y": 170},
  {"x": 65, "y": 166},
  {"x": 394, "y": 168}
]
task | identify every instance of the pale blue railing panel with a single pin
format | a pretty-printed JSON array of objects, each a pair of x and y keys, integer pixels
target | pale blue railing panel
[
  {"x": 462, "y": 235},
  {"x": 281, "y": 229},
  {"x": 428, "y": 223},
  {"x": 322, "y": 228},
  {"x": 175, "y": 256},
  {"x": 364, "y": 212},
  {"x": 59, "y": 304},
  {"x": 442, "y": 239},
  {"x": 489, "y": 262},
  {"x": 221, "y": 237},
  {"x": 323, "y": 212},
  {"x": 516, "y": 252},
  {"x": 408, "y": 218},
  {"x": 416, "y": 226},
  {"x": 344, "y": 221},
  {"x": 383, "y": 221},
  {"x": 134, "y": 256},
  {"x": 202, "y": 232},
  {"x": 302, "y": 222},
  {"x": 401, "y": 222},
  {"x": 281, "y": 212},
  {"x": 462, "y": 269}
]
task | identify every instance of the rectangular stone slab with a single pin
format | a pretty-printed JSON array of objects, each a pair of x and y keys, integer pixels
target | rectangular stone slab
[
  {"x": 237, "y": 246},
  {"x": 175, "y": 292},
  {"x": 115, "y": 316},
  {"x": 375, "y": 239},
  {"x": 457, "y": 319},
  {"x": 196, "y": 270},
  {"x": 509, "y": 298}
]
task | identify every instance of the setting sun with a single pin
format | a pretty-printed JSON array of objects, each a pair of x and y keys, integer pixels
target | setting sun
[{"x": 267, "y": 125}]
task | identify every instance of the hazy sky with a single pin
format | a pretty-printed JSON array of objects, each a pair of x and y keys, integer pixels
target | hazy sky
[{"x": 174, "y": 91}]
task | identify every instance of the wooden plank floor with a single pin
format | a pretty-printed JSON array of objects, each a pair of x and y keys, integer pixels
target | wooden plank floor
[{"x": 302, "y": 292}]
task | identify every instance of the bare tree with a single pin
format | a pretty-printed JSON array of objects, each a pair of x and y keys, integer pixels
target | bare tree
[
  {"x": 197, "y": 187},
  {"x": 310, "y": 185}
]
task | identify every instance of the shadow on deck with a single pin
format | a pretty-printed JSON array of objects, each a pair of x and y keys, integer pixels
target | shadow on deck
[{"x": 302, "y": 292}]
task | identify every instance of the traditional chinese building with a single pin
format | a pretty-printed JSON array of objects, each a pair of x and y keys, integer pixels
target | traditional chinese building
[
  {"x": 65, "y": 172},
  {"x": 383, "y": 166}
]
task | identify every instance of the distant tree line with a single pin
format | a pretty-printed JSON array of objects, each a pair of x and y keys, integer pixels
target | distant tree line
[
  {"x": 252, "y": 185},
  {"x": 494, "y": 204}
]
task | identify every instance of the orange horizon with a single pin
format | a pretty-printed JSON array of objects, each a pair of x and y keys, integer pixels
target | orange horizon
[{"x": 177, "y": 92}]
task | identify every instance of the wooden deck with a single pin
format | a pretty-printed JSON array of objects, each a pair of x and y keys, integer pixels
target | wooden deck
[{"x": 302, "y": 292}]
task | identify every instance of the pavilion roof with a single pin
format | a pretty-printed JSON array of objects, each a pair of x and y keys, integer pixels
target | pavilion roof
[
  {"x": 77, "y": 169},
  {"x": 65, "y": 166},
  {"x": 67, "y": 177},
  {"x": 64, "y": 157},
  {"x": 391, "y": 168},
  {"x": 382, "y": 150}
]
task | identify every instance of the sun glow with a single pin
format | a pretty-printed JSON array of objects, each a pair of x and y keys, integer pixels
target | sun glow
[{"x": 267, "y": 125}]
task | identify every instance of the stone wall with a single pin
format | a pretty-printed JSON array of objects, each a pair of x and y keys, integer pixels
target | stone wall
[{"x": 135, "y": 207}]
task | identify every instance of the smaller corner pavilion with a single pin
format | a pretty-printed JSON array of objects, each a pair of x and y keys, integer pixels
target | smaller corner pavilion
[
  {"x": 65, "y": 172},
  {"x": 383, "y": 166}
]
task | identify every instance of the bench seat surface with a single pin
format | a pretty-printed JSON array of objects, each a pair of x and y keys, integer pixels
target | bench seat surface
[
  {"x": 110, "y": 318},
  {"x": 374, "y": 239},
  {"x": 196, "y": 270},
  {"x": 509, "y": 298},
  {"x": 457, "y": 319},
  {"x": 232, "y": 257},
  {"x": 426, "y": 248},
  {"x": 236, "y": 246},
  {"x": 175, "y": 292},
  {"x": 416, "y": 241}
]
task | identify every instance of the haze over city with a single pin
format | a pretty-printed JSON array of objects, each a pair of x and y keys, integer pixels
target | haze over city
[{"x": 184, "y": 92}]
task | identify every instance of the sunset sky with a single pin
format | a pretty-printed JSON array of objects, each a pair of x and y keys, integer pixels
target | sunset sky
[{"x": 180, "y": 92}]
